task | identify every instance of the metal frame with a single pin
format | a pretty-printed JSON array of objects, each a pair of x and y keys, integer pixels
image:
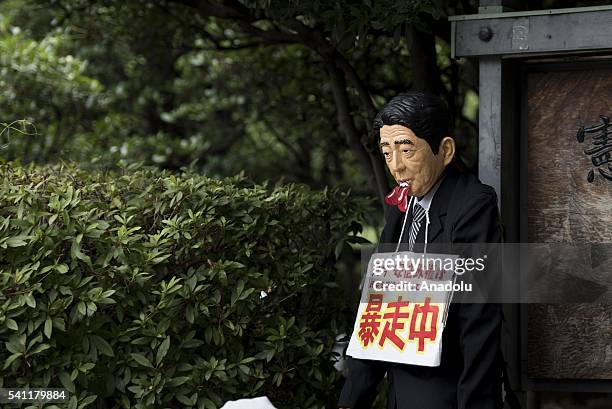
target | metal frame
[
  {"x": 497, "y": 153},
  {"x": 509, "y": 178},
  {"x": 510, "y": 14},
  {"x": 520, "y": 43},
  {"x": 489, "y": 123},
  {"x": 532, "y": 32}
]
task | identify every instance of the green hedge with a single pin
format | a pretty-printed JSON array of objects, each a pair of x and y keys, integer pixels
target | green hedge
[{"x": 143, "y": 289}]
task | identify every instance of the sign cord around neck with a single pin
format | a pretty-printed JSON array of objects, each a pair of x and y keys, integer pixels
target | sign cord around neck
[{"x": 404, "y": 223}]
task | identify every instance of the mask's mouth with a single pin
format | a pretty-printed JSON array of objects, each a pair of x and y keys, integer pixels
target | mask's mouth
[
  {"x": 405, "y": 183},
  {"x": 399, "y": 196}
]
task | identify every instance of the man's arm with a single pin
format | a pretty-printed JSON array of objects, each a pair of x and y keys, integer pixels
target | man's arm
[
  {"x": 479, "y": 385},
  {"x": 359, "y": 389}
]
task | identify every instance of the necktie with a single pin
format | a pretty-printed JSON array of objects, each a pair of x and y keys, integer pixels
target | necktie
[{"x": 418, "y": 213}]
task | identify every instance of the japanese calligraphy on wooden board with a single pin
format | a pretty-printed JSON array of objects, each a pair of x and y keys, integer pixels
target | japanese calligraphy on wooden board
[{"x": 600, "y": 150}]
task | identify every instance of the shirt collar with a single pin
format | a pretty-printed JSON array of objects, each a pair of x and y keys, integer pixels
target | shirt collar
[{"x": 425, "y": 201}]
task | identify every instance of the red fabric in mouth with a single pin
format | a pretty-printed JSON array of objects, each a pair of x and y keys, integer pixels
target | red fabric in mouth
[{"x": 399, "y": 196}]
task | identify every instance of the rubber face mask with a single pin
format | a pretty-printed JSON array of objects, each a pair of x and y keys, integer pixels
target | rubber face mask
[{"x": 411, "y": 162}]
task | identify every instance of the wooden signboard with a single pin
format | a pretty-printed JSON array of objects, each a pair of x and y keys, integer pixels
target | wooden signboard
[{"x": 569, "y": 190}]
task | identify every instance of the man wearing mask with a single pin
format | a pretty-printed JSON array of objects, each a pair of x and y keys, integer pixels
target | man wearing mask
[{"x": 447, "y": 206}]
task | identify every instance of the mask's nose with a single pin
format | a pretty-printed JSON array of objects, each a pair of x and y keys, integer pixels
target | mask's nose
[{"x": 396, "y": 166}]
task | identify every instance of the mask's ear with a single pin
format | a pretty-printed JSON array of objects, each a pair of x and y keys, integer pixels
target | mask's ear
[{"x": 447, "y": 149}]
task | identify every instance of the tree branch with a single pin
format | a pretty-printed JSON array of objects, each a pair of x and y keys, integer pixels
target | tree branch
[
  {"x": 234, "y": 11},
  {"x": 357, "y": 83},
  {"x": 338, "y": 67},
  {"x": 377, "y": 178}
]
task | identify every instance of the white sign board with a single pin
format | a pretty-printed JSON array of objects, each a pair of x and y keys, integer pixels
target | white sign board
[{"x": 403, "y": 308}]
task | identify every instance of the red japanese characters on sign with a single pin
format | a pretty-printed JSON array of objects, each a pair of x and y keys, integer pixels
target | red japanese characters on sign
[
  {"x": 370, "y": 319},
  {"x": 423, "y": 319}
]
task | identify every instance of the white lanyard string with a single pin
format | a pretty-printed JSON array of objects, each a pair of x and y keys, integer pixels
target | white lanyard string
[
  {"x": 404, "y": 224},
  {"x": 410, "y": 204}
]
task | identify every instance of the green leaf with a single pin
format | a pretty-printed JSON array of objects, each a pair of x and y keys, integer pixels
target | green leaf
[
  {"x": 39, "y": 348},
  {"x": 91, "y": 308},
  {"x": 178, "y": 380},
  {"x": 59, "y": 324},
  {"x": 66, "y": 381},
  {"x": 246, "y": 293},
  {"x": 48, "y": 327},
  {"x": 307, "y": 268},
  {"x": 61, "y": 268},
  {"x": 17, "y": 241},
  {"x": 29, "y": 299},
  {"x": 183, "y": 399},
  {"x": 102, "y": 345},
  {"x": 189, "y": 314},
  {"x": 75, "y": 252},
  {"x": 11, "y": 324},
  {"x": 141, "y": 359},
  {"x": 87, "y": 367},
  {"x": 163, "y": 325},
  {"x": 162, "y": 350},
  {"x": 14, "y": 347},
  {"x": 188, "y": 401},
  {"x": 82, "y": 308},
  {"x": 11, "y": 358},
  {"x": 88, "y": 400},
  {"x": 208, "y": 404}
]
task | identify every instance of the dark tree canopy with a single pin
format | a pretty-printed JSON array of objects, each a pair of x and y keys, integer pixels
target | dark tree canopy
[
  {"x": 277, "y": 89},
  {"x": 282, "y": 90}
]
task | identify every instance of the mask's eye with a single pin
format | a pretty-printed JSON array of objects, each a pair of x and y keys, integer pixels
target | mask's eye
[
  {"x": 387, "y": 155},
  {"x": 408, "y": 153}
]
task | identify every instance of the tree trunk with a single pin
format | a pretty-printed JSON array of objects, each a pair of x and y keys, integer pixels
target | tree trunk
[{"x": 425, "y": 71}]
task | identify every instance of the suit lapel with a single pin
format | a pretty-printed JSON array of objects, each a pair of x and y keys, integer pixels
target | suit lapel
[
  {"x": 391, "y": 232},
  {"x": 439, "y": 207}
]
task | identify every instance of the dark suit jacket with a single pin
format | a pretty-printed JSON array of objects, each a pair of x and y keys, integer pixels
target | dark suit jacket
[{"x": 469, "y": 376}]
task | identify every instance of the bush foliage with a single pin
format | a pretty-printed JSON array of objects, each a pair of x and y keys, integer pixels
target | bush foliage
[{"x": 146, "y": 288}]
